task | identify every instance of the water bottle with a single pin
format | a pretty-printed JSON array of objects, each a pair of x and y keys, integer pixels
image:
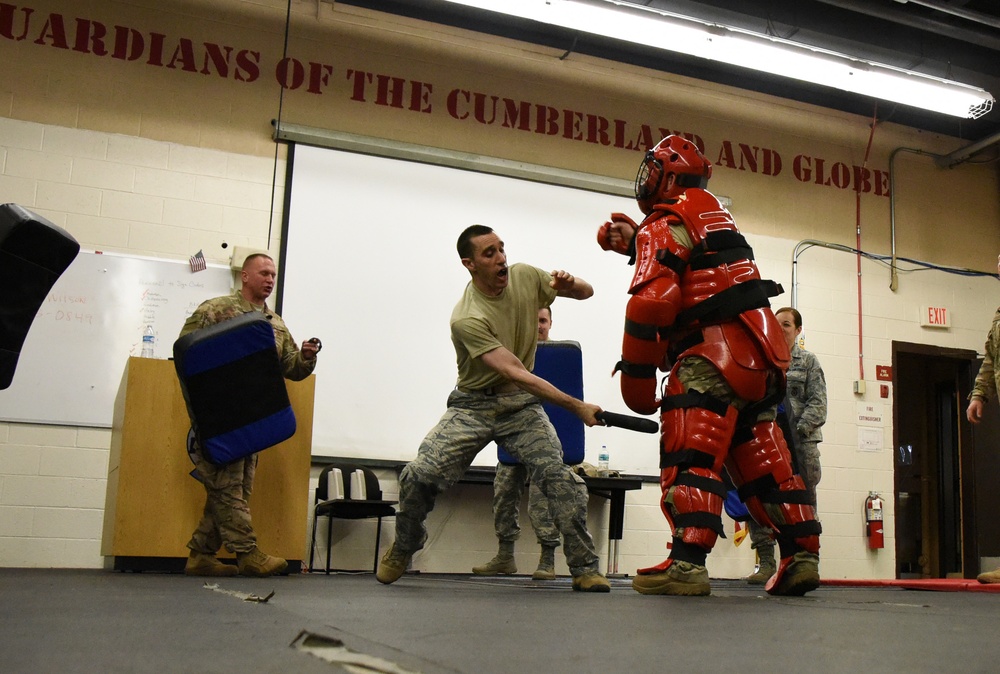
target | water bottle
[
  {"x": 148, "y": 342},
  {"x": 602, "y": 462}
]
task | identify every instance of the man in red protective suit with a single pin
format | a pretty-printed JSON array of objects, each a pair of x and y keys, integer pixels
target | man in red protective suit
[{"x": 700, "y": 310}]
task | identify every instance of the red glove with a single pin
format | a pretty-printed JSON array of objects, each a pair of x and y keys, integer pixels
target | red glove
[{"x": 617, "y": 233}]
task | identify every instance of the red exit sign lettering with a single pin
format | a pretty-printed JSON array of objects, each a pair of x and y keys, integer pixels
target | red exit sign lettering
[{"x": 935, "y": 317}]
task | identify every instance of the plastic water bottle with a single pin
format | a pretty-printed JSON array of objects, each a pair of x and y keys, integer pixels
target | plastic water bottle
[
  {"x": 148, "y": 342},
  {"x": 602, "y": 462}
]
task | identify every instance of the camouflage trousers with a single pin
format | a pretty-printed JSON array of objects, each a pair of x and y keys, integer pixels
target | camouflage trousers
[
  {"x": 508, "y": 486},
  {"x": 807, "y": 458},
  {"x": 226, "y": 518},
  {"x": 518, "y": 422}
]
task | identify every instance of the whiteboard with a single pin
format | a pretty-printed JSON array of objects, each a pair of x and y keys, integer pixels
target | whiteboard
[
  {"x": 92, "y": 320},
  {"x": 370, "y": 267}
]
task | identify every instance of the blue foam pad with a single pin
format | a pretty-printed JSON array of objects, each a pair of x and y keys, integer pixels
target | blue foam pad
[
  {"x": 231, "y": 379},
  {"x": 33, "y": 255},
  {"x": 561, "y": 364}
]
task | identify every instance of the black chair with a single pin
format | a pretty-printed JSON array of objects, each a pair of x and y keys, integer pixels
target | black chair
[{"x": 348, "y": 504}]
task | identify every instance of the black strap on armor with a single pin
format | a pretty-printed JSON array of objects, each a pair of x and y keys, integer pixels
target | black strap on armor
[
  {"x": 687, "y": 552},
  {"x": 693, "y": 398},
  {"x": 635, "y": 370},
  {"x": 719, "y": 248},
  {"x": 700, "y": 519},
  {"x": 644, "y": 331},
  {"x": 748, "y": 415},
  {"x": 701, "y": 482},
  {"x": 676, "y": 348},
  {"x": 766, "y": 489},
  {"x": 671, "y": 261},
  {"x": 731, "y": 302},
  {"x": 686, "y": 458},
  {"x": 800, "y": 530}
]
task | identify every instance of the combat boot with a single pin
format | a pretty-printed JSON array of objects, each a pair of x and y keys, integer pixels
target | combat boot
[
  {"x": 766, "y": 566},
  {"x": 499, "y": 565},
  {"x": 680, "y": 578},
  {"x": 546, "y": 565},
  {"x": 796, "y": 575},
  {"x": 258, "y": 564},
  {"x": 502, "y": 563},
  {"x": 201, "y": 564},
  {"x": 989, "y": 576},
  {"x": 393, "y": 565},
  {"x": 591, "y": 581}
]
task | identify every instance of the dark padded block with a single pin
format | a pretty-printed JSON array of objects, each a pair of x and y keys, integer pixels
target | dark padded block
[
  {"x": 33, "y": 255},
  {"x": 561, "y": 364},
  {"x": 231, "y": 379}
]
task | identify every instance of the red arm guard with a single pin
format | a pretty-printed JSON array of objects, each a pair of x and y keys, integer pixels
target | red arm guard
[{"x": 655, "y": 301}]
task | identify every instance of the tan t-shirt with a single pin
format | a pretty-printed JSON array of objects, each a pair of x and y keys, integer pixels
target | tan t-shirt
[{"x": 480, "y": 324}]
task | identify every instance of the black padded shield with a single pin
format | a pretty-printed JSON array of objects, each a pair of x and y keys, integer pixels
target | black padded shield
[{"x": 33, "y": 255}]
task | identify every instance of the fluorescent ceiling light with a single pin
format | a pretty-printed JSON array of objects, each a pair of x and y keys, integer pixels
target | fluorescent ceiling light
[{"x": 673, "y": 32}]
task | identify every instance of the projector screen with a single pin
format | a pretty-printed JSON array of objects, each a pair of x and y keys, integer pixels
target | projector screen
[{"x": 370, "y": 268}]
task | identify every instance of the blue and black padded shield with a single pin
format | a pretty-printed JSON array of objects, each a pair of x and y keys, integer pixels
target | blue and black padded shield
[
  {"x": 231, "y": 379},
  {"x": 561, "y": 364},
  {"x": 33, "y": 255}
]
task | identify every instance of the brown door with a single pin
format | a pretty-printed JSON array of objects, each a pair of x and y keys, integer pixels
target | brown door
[{"x": 938, "y": 513}]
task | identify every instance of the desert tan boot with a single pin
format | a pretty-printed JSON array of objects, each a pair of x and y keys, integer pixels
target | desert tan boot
[
  {"x": 258, "y": 564},
  {"x": 592, "y": 581},
  {"x": 201, "y": 564}
]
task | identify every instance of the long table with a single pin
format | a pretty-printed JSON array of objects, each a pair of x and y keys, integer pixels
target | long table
[{"x": 611, "y": 488}]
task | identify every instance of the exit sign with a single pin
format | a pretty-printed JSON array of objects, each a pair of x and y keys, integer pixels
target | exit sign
[{"x": 935, "y": 317}]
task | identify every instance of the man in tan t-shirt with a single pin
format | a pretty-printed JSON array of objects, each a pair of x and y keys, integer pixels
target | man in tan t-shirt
[{"x": 497, "y": 398}]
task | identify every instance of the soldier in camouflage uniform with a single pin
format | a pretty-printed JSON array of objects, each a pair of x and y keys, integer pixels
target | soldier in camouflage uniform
[
  {"x": 805, "y": 404},
  {"x": 508, "y": 486},
  {"x": 983, "y": 391},
  {"x": 226, "y": 518},
  {"x": 497, "y": 398}
]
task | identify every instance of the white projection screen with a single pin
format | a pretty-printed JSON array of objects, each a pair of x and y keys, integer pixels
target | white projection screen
[{"x": 370, "y": 268}]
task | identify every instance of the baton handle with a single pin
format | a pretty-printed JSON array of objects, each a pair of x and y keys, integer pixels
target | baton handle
[{"x": 638, "y": 424}]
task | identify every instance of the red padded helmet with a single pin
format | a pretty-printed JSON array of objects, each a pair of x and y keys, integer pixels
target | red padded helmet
[{"x": 675, "y": 156}]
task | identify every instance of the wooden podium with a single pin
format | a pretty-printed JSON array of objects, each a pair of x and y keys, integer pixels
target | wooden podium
[{"x": 153, "y": 504}]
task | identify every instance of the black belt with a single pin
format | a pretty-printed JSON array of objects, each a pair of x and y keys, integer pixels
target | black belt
[{"x": 499, "y": 389}]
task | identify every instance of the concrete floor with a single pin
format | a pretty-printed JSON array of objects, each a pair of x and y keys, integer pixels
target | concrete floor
[{"x": 103, "y": 621}]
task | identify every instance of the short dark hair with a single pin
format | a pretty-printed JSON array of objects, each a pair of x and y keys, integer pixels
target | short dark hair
[
  {"x": 254, "y": 256},
  {"x": 548, "y": 309},
  {"x": 464, "y": 245},
  {"x": 796, "y": 316}
]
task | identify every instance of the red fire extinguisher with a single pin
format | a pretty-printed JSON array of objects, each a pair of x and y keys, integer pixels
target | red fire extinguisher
[{"x": 873, "y": 521}]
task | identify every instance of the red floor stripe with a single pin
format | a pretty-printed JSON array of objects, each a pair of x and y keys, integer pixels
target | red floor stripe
[{"x": 931, "y": 584}]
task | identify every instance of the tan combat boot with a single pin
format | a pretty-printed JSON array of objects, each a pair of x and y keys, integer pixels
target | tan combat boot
[
  {"x": 988, "y": 577},
  {"x": 798, "y": 574},
  {"x": 546, "y": 565},
  {"x": 501, "y": 564},
  {"x": 681, "y": 578},
  {"x": 201, "y": 564},
  {"x": 766, "y": 566},
  {"x": 259, "y": 564},
  {"x": 392, "y": 566},
  {"x": 591, "y": 581}
]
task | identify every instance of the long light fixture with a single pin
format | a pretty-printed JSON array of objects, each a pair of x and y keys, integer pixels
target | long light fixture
[{"x": 674, "y": 32}]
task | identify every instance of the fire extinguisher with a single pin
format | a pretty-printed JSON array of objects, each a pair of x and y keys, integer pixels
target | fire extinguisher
[{"x": 873, "y": 521}]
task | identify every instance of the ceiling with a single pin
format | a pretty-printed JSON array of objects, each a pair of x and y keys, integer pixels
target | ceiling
[{"x": 952, "y": 39}]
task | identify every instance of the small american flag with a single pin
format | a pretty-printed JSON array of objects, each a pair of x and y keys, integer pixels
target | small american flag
[{"x": 198, "y": 262}]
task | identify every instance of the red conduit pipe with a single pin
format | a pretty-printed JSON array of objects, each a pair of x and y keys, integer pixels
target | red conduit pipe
[{"x": 857, "y": 193}]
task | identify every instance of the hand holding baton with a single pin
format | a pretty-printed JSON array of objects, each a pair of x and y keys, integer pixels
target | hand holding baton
[{"x": 638, "y": 424}]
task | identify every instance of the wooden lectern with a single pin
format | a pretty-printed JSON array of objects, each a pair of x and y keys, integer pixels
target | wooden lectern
[{"x": 153, "y": 504}]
